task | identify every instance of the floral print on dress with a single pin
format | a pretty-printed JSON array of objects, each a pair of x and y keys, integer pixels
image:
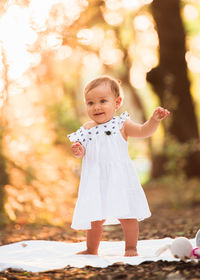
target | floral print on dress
[{"x": 78, "y": 136}]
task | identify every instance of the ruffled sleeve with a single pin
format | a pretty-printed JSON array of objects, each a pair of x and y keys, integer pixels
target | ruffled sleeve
[
  {"x": 122, "y": 118},
  {"x": 78, "y": 136}
]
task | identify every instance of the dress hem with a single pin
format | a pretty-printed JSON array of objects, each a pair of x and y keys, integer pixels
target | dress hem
[{"x": 114, "y": 223}]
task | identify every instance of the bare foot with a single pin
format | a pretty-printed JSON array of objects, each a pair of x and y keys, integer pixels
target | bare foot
[
  {"x": 86, "y": 252},
  {"x": 130, "y": 253}
]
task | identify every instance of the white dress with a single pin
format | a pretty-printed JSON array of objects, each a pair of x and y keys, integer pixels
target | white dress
[{"x": 109, "y": 185}]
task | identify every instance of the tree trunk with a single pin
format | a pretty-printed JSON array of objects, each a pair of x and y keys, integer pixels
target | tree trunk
[{"x": 171, "y": 83}]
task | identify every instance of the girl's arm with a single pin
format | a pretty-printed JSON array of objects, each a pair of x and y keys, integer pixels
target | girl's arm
[
  {"x": 149, "y": 127},
  {"x": 77, "y": 148}
]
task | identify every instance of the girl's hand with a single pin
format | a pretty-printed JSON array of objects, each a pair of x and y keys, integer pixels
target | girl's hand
[
  {"x": 160, "y": 113},
  {"x": 78, "y": 150}
]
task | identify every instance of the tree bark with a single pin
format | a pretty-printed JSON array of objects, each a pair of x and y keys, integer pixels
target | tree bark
[{"x": 171, "y": 83}]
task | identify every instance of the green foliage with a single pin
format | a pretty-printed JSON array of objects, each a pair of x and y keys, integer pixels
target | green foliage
[
  {"x": 126, "y": 33},
  {"x": 192, "y": 27},
  {"x": 181, "y": 191},
  {"x": 177, "y": 154},
  {"x": 3, "y": 181},
  {"x": 30, "y": 174},
  {"x": 1, "y": 133},
  {"x": 64, "y": 120}
]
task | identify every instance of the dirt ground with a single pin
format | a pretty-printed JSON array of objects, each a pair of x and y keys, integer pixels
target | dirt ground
[{"x": 166, "y": 221}]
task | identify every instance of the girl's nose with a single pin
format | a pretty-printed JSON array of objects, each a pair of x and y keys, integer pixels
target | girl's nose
[{"x": 97, "y": 106}]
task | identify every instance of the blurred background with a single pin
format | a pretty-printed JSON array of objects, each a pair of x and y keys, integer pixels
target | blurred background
[{"x": 49, "y": 50}]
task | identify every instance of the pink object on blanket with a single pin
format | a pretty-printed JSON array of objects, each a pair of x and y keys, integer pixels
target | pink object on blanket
[{"x": 196, "y": 252}]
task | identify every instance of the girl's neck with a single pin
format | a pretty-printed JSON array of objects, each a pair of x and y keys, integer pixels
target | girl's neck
[{"x": 92, "y": 123}]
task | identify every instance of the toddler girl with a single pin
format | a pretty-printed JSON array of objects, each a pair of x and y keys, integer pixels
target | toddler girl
[{"x": 109, "y": 190}]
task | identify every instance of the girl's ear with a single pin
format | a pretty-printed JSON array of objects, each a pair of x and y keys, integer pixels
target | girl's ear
[{"x": 118, "y": 102}]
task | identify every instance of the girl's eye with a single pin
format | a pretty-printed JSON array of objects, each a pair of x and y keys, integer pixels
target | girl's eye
[
  {"x": 90, "y": 103},
  {"x": 103, "y": 101}
]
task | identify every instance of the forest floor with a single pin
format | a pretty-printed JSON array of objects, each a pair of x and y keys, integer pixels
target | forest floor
[{"x": 166, "y": 221}]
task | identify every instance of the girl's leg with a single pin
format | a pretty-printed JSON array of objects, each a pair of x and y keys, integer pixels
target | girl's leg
[
  {"x": 93, "y": 238},
  {"x": 131, "y": 231}
]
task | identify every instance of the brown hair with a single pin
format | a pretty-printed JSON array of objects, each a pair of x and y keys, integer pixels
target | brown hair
[{"x": 114, "y": 85}]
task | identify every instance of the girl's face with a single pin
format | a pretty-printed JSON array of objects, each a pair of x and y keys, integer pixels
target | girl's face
[{"x": 101, "y": 103}]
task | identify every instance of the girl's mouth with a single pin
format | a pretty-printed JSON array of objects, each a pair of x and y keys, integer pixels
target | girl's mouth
[{"x": 98, "y": 114}]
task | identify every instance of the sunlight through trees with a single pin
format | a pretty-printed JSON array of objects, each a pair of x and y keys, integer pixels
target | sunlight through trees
[{"x": 48, "y": 51}]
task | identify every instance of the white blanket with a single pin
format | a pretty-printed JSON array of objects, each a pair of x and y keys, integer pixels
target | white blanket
[{"x": 41, "y": 255}]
